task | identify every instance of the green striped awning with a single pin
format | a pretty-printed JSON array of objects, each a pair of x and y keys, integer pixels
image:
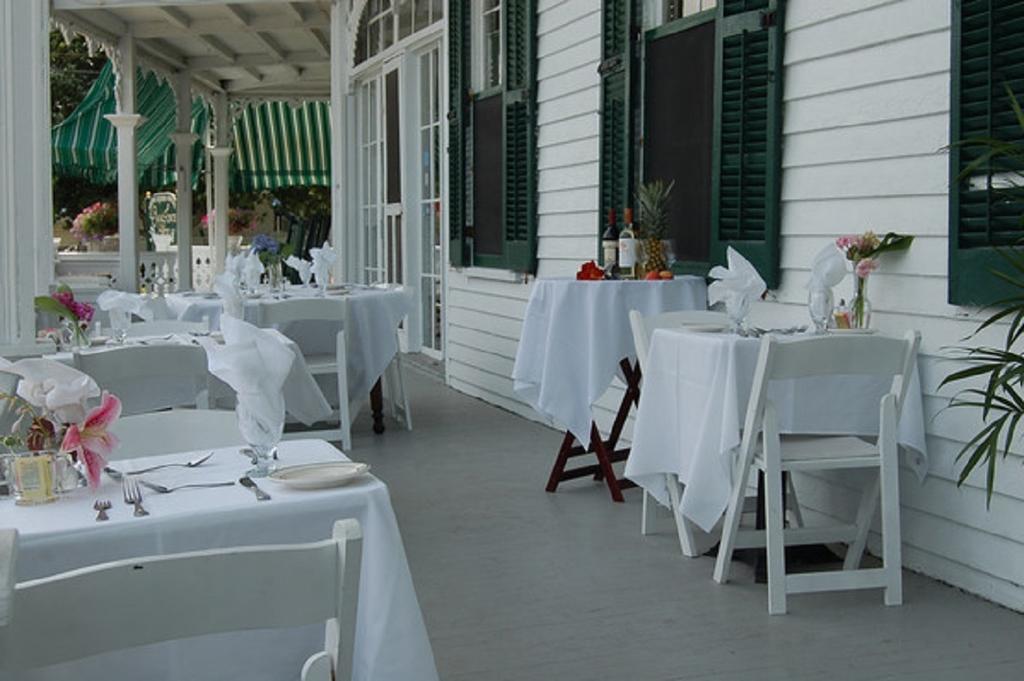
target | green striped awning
[
  {"x": 280, "y": 145},
  {"x": 85, "y": 143},
  {"x": 276, "y": 144}
]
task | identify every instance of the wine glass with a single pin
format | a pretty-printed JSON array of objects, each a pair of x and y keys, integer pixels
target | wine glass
[
  {"x": 819, "y": 305},
  {"x": 737, "y": 307},
  {"x": 119, "y": 323},
  {"x": 261, "y": 423}
]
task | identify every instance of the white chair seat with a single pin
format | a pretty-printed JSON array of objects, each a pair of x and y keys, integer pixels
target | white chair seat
[
  {"x": 321, "y": 364},
  {"x": 825, "y": 452}
]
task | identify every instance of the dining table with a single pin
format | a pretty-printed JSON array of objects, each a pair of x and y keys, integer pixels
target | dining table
[
  {"x": 391, "y": 642},
  {"x": 372, "y": 315},
  {"x": 576, "y": 339},
  {"x": 689, "y": 422}
]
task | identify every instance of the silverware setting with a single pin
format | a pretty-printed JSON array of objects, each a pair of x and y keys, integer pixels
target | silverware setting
[
  {"x": 133, "y": 495},
  {"x": 101, "y": 508},
  {"x": 188, "y": 464},
  {"x": 246, "y": 481},
  {"x": 162, "y": 489}
]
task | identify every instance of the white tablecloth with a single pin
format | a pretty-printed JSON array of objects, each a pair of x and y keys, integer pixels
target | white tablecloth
[
  {"x": 576, "y": 332},
  {"x": 373, "y": 317},
  {"x": 303, "y": 398},
  {"x": 391, "y": 639},
  {"x": 694, "y": 401}
]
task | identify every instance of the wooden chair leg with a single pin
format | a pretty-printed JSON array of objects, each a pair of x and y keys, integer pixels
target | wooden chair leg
[
  {"x": 684, "y": 530},
  {"x": 560, "y": 461},
  {"x": 865, "y": 514},
  {"x": 774, "y": 529}
]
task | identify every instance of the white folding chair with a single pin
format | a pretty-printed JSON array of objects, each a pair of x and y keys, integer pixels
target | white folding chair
[
  {"x": 283, "y": 313},
  {"x": 178, "y": 430},
  {"x": 150, "y": 378},
  {"x": 765, "y": 449},
  {"x": 139, "y": 601},
  {"x": 163, "y": 327},
  {"x": 643, "y": 328},
  {"x": 8, "y": 386}
]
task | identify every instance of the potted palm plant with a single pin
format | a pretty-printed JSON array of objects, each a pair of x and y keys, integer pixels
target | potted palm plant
[{"x": 995, "y": 374}]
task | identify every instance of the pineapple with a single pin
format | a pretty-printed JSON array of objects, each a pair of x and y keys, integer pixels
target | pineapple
[{"x": 652, "y": 206}]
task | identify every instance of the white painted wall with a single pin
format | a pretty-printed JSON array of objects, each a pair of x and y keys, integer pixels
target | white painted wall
[{"x": 866, "y": 116}]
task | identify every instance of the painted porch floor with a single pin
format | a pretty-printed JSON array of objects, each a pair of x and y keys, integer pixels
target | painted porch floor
[{"x": 519, "y": 584}]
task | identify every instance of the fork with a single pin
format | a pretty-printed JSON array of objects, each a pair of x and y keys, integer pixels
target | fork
[
  {"x": 133, "y": 495},
  {"x": 162, "y": 489},
  {"x": 188, "y": 464}
]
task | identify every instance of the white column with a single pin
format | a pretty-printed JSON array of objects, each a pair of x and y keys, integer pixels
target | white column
[
  {"x": 184, "y": 140},
  {"x": 339, "y": 129},
  {"x": 126, "y": 121},
  {"x": 221, "y": 153},
  {"x": 26, "y": 212}
]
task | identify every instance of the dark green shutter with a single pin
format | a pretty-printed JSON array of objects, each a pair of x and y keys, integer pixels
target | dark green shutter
[
  {"x": 746, "y": 160},
  {"x": 616, "y": 70},
  {"x": 459, "y": 129},
  {"x": 988, "y": 58},
  {"x": 520, "y": 144}
]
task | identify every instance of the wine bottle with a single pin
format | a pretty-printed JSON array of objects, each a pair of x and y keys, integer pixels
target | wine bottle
[
  {"x": 627, "y": 247},
  {"x": 610, "y": 241}
]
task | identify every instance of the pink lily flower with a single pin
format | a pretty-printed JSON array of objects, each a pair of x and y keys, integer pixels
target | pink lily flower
[
  {"x": 90, "y": 441},
  {"x": 865, "y": 267}
]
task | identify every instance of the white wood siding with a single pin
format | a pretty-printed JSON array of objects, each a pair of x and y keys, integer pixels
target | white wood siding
[{"x": 866, "y": 117}]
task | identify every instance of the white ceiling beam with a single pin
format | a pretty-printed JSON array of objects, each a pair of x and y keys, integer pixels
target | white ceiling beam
[
  {"x": 175, "y": 16},
  {"x": 321, "y": 85},
  {"x": 293, "y": 9},
  {"x": 217, "y": 62},
  {"x": 237, "y": 15},
  {"x": 322, "y": 45},
  {"x": 271, "y": 46},
  {"x": 218, "y": 47},
  {"x": 166, "y": 29}
]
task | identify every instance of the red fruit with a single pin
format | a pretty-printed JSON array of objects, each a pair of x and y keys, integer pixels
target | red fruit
[
  {"x": 651, "y": 276},
  {"x": 665, "y": 274}
]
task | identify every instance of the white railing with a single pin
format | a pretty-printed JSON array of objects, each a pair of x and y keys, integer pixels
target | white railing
[{"x": 158, "y": 270}]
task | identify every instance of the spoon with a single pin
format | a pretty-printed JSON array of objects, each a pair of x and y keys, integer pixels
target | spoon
[{"x": 246, "y": 481}]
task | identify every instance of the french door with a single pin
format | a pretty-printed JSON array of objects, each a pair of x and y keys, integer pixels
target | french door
[{"x": 432, "y": 238}]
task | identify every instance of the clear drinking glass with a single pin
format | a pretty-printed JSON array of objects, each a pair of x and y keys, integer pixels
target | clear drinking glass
[
  {"x": 261, "y": 423},
  {"x": 119, "y": 322},
  {"x": 737, "y": 307},
  {"x": 819, "y": 306}
]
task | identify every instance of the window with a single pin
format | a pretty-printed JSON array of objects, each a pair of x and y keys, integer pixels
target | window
[
  {"x": 492, "y": 136},
  {"x": 985, "y": 209},
  {"x": 385, "y": 22},
  {"x": 697, "y": 100},
  {"x": 487, "y": 45}
]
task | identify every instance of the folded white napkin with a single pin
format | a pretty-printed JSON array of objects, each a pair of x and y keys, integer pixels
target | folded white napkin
[
  {"x": 323, "y": 259},
  {"x": 126, "y": 303},
  {"x": 737, "y": 285},
  {"x": 225, "y": 285},
  {"x": 54, "y": 386},
  {"x": 256, "y": 363},
  {"x": 302, "y": 266},
  {"x": 252, "y": 270},
  {"x": 828, "y": 268}
]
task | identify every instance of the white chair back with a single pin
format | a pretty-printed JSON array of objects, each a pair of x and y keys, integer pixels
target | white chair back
[
  {"x": 283, "y": 312},
  {"x": 163, "y": 327},
  {"x": 150, "y": 378},
  {"x": 643, "y": 327},
  {"x": 139, "y": 601},
  {"x": 8, "y": 386},
  {"x": 179, "y": 430},
  {"x": 828, "y": 356}
]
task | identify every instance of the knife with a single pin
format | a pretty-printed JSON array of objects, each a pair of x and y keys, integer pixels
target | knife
[{"x": 246, "y": 481}]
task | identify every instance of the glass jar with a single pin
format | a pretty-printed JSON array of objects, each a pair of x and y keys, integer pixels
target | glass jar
[
  {"x": 74, "y": 335},
  {"x": 34, "y": 479}
]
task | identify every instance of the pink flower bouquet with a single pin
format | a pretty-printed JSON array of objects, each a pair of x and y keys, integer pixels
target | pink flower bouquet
[{"x": 90, "y": 441}]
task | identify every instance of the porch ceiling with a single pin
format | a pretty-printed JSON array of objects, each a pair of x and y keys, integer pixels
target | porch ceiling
[{"x": 248, "y": 49}]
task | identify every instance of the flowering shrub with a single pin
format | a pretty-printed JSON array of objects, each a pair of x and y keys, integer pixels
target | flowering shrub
[
  {"x": 240, "y": 220},
  {"x": 95, "y": 222}
]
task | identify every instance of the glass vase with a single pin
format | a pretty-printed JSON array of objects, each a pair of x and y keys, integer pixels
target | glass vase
[
  {"x": 261, "y": 423},
  {"x": 74, "y": 335},
  {"x": 860, "y": 306},
  {"x": 275, "y": 277}
]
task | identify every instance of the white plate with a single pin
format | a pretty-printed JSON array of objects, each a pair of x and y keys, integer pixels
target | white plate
[
  {"x": 705, "y": 328},
  {"x": 853, "y": 332},
  {"x": 319, "y": 475}
]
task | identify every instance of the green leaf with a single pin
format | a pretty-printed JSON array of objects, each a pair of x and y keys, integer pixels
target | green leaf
[{"x": 51, "y": 305}]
